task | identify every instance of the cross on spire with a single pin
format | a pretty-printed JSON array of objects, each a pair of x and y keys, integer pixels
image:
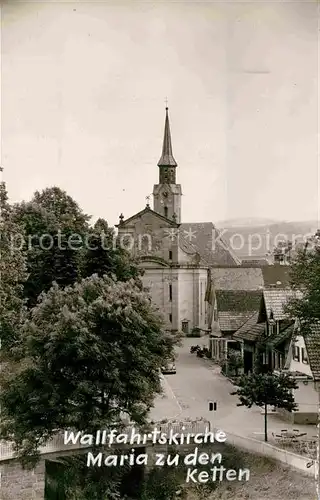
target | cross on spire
[
  {"x": 166, "y": 101},
  {"x": 147, "y": 200}
]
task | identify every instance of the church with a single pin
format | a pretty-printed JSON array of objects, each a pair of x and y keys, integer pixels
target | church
[{"x": 185, "y": 264}]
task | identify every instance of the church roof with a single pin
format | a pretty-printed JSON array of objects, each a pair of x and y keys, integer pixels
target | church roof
[
  {"x": 167, "y": 159},
  {"x": 204, "y": 239},
  {"x": 147, "y": 209}
]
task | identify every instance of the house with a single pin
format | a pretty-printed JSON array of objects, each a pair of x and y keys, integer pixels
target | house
[
  {"x": 303, "y": 362},
  {"x": 233, "y": 308},
  {"x": 278, "y": 344},
  {"x": 278, "y": 328},
  {"x": 249, "y": 333},
  {"x": 283, "y": 346},
  {"x": 237, "y": 300},
  {"x": 286, "y": 251}
]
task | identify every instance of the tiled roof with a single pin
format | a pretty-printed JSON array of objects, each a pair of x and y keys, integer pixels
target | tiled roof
[
  {"x": 205, "y": 239},
  {"x": 237, "y": 278},
  {"x": 312, "y": 343},
  {"x": 238, "y": 300},
  {"x": 230, "y": 321},
  {"x": 276, "y": 275},
  {"x": 255, "y": 262},
  {"x": 250, "y": 330},
  {"x": 275, "y": 300},
  {"x": 284, "y": 334}
]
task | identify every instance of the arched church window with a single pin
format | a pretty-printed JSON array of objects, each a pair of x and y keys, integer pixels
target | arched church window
[{"x": 166, "y": 211}]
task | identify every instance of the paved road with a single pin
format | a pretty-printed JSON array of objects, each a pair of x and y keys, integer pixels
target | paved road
[{"x": 198, "y": 381}]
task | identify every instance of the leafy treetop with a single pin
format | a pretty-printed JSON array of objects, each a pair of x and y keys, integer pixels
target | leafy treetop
[{"x": 91, "y": 351}]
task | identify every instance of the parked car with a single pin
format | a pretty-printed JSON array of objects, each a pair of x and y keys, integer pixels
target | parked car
[{"x": 169, "y": 368}]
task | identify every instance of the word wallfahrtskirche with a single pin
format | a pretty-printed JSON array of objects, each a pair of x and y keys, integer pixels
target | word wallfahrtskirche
[{"x": 104, "y": 437}]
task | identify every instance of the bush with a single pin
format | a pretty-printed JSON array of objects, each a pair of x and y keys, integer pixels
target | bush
[
  {"x": 223, "y": 365},
  {"x": 235, "y": 362},
  {"x": 195, "y": 333}
]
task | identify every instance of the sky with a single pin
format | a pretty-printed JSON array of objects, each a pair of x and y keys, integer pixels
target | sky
[{"x": 83, "y": 90}]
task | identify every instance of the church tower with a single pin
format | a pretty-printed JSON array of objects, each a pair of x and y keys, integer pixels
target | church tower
[{"x": 167, "y": 194}]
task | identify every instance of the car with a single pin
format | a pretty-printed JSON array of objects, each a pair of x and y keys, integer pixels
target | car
[{"x": 169, "y": 368}]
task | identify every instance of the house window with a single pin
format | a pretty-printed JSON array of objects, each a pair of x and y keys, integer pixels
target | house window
[
  {"x": 264, "y": 358},
  {"x": 304, "y": 357},
  {"x": 166, "y": 211},
  {"x": 280, "y": 361},
  {"x": 170, "y": 293},
  {"x": 170, "y": 255},
  {"x": 275, "y": 361},
  {"x": 296, "y": 353},
  {"x": 170, "y": 318},
  {"x": 185, "y": 326}
]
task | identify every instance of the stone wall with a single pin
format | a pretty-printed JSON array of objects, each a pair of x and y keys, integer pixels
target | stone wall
[{"x": 19, "y": 484}]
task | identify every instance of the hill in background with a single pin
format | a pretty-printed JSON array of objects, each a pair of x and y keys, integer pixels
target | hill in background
[{"x": 257, "y": 237}]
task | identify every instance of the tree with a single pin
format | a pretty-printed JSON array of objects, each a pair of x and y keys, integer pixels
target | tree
[
  {"x": 12, "y": 277},
  {"x": 91, "y": 352},
  {"x": 305, "y": 278},
  {"x": 71, "y": 479},
  {"x": 105, "y": 255},
  {"x": 234, "y": 362},
  {"x": 62, "y": 247},
  {"x": 54, "y": 231},
  {"x": 265, "y": 390},
  {"x": 63, "y": 207}
]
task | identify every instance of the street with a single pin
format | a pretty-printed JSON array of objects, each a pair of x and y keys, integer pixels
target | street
[{"x": 196, "y": 383}]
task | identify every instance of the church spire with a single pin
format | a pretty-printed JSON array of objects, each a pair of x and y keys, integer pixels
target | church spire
[
  {"x": 167, "y": 159},
  {"x": 167, "y": 193}
]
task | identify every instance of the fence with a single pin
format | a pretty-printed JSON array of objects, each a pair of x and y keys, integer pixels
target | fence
[
  {"x": 303, "y": 459},
  {"x": 57, "y": 443},
  {"x": 305, "y": 447},
  {"x": 303, "y": 463}
]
